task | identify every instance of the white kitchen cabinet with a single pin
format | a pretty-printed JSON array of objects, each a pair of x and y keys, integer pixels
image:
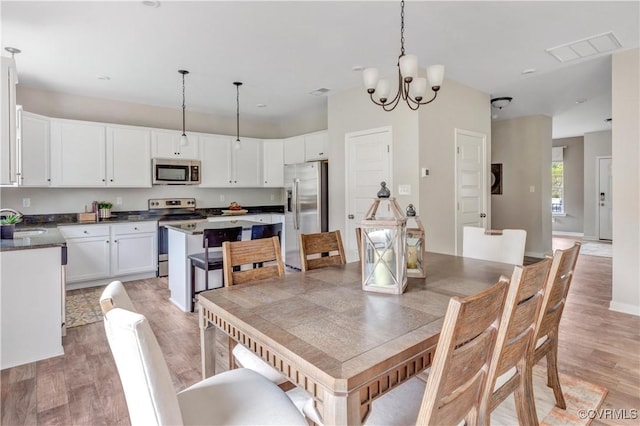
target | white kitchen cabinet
[
  {"x": 133, "y": 248},
  {"x": 273, "y": 163},
  {"x": 294, "y": 150},
  {"x": 316, "y": 146},
  {"x": 128, "y": 157},
  {"x": 166, "y": 144},
  {"x": 34, "y": 150},
  {"x": 8, "y": 123},
  {"x": 215, "y": 169},
  {"x": 78, "y": 153},
  {"x": 88, "y": 252},
  {"x": 224, "y": 166}
]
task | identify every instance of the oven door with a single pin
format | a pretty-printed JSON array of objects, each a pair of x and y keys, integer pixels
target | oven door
[{"x": 163, "y": 251}]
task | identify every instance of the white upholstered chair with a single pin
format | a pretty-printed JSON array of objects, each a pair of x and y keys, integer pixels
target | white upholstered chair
[
  {"x": 506, "y": 246},
  {"x": 234, "y": 397}
]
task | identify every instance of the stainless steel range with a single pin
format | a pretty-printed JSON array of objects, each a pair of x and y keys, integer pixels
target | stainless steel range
[{"x": 171, "y": 211}]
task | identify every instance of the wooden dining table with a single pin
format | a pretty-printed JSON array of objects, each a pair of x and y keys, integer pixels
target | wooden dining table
[{"x": 344, "y": 346}]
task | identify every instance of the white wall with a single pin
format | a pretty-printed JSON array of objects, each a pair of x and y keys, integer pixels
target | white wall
[
  {"x": 574, "y": 206},
  {"x": 596, "y": 144},
  {"x": 523, "y": 146},
  {"x": 626, "y": 181}
]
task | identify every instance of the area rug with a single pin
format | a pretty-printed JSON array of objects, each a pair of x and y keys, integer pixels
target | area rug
[
  {"x": 400, "y": 407},
  {"x": 83, "y": 307},
  {"x": 597, "y": 249}
]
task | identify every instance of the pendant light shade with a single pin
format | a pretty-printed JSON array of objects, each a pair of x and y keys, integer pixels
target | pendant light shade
[
  {"x": 183, "y": 138},
  {"x": 236, "y": 144}
]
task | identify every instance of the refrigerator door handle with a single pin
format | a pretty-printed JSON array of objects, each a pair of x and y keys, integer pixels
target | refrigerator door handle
[{"x": 296, "y": 218}]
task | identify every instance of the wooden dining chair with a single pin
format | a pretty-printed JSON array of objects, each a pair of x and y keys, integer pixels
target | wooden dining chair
[
  {"x": 560, "y": 277},
  {"x": 265, "y": 251},
  {"x": 210, "y": 260},
  {"x": 459, "y": 371},
  {"x": 506, "y": 246},
  {"x": 266, "y": 230},
  {"x": 321, "y": 249},
  {"x": 239, "y": 396},
  {"x": 359, "y": 241},
  {"x": 509, "y": 370}
]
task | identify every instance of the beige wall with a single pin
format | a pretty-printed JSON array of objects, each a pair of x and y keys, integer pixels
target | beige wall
[
  {"x": 596, "y": 144},
  {"x": 523, "y": 146},
  {"x": 457, "y": 107},
  {"x": 574, "y": 206},
  {"x": 626, "y": 181},
  {"x": 305, "y": 122}
]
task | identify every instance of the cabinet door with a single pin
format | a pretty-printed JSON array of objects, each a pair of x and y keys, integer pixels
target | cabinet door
[
  {"x": 316, "y": 146},
  {"x": 34, "y": 147},
  {"x": 294, "y": 150},
  {"x": 128, "y": 157},
  {"x": 77, "y": 154},
  {"x": 133, "y": 253},
  {"x": 87, "y": 258},
  {"x": 8, "y": 123},
  {"x": 247, "y": 163},
  {"x": 166, "y": 144},
  {"x": 273, "y": 163},
  {"x": 216, "y": 161}
]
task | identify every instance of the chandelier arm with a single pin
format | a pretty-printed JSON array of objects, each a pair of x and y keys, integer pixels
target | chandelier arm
[{"x": 374, "y": 101}]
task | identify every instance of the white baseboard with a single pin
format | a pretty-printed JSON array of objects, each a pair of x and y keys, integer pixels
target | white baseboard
[
  {"x": 534, "y": 254},
  {"x": 568, "y": 234},
  {"x": 625, "y": 308},
  {"x": 105, "y": 281}
]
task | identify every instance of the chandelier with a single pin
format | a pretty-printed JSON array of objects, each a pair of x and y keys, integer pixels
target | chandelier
[{"x": 411, "y": 88}]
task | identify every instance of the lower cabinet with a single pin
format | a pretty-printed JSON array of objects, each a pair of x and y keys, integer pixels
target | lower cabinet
[{"x": 100, "y": 252}]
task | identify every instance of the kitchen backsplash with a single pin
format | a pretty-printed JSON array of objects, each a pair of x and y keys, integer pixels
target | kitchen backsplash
[{"x": 73, "y": 200}]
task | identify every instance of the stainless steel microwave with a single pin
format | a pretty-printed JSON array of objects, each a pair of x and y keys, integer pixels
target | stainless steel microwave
[{"x": 175, "y": 172}]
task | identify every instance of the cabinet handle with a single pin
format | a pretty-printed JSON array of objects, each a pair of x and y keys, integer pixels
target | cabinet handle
[
  {"x": 49, "y": 180},
  {"x": 107, "y": 241},
  {"x": 115, "y": 241},
  {"x": 229, "y": 181},
  {"x": 321, "y": 153},
  {"x": 235, "y": 181},
  {"x": 110, "y": 180},
  {"x": 86, "y": 232},
  {"x": 135, "y": 228},
  {"x": 103, "y": 180},
  {"x": 265, "y": 181}
]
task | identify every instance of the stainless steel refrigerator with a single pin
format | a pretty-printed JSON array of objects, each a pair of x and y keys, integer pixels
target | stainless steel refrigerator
[{"x": 307, "y": 211}]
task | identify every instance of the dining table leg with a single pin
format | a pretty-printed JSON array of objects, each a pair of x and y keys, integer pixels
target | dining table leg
[
  {"x": 342, "y": 409},
  {"x": 207, "y": 345}
]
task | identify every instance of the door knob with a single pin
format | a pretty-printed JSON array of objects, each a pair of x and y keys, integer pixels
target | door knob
[{"x": 351, "y": 216}]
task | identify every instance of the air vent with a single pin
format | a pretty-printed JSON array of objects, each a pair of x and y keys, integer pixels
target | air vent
[
  {"x": 319, "y": 92},
  {"x": 589, "y": 46}
]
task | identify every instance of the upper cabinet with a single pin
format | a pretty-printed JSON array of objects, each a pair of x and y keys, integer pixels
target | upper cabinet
[
  {"x": 294, "y": 150},
  {"x": 273, "y": 163},
  {"x": 35, "y": 131},
  {"x": 316, "y": 146},
  {"x": 85, "y": 154},
  {"x": 247, "y": 163},
  {"x": 226, "y": 165},
  {"x": 8, "y": 123},
  {"x": 166, "y": 144}
]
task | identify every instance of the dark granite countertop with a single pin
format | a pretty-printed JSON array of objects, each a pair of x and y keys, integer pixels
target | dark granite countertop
[
  {"x": 51, "y": 237},
  {"x": 197, "y": 228}
]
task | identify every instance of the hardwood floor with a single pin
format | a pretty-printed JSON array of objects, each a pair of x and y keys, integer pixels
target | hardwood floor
[{"x": 82, "y": 387}]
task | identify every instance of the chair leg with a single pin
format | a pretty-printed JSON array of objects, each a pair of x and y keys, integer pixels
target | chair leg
[
  {"x": 193, "y": 286},
  {"x": 525, "y": 399},
  {"x": 553, "y": 379}
]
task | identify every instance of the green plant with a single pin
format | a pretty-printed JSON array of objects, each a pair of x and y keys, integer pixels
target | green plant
[
  {"x": 105, "y": 205},
  {"x": 10, "y": 219}
]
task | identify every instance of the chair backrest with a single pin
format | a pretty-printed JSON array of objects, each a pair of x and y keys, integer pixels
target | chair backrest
[
  {"x": 266, "y": 231},
  {"x": 114, "y": 295},
  {"x": 461, "y": 362},
  {"x": 506, "y": 246},
  {"x": 359, "y": 241},
  {"x": 240, "y": 253},
  {"x": 321, "y": 249},
  {"x": 517, "y": 327},
  {"x": 147, "y": 384},
  {"x": 560, "y": 276},
  {"x": 215, "y": 237}
]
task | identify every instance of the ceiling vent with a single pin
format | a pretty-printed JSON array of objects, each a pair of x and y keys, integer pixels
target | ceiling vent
[
  {"x": 319, "y": 92},
  {"x": 589, "y": 46}
]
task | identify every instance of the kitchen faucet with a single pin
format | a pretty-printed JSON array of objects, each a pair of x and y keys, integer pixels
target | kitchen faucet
[{"x": 12, "y": 211}]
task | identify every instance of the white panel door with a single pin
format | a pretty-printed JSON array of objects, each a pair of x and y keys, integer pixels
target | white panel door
[
  {"x": 368, "y": 161},
  {"x": 78, "y": 154},
  {"x": 471, "y": 182},
  {"x": 88, "y": 258},
  {"x": 128, "y": 157},
  {"x": 605, "y": 199}
]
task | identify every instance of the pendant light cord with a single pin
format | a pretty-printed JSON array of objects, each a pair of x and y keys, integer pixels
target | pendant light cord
[
  {"x": 238, "y": 112},
  {"x": 183, "y": 107}
]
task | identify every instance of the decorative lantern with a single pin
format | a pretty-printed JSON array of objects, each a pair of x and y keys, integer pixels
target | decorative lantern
[
  {"x": 384, "y": 266},
  {"x": 415, "y": 245}
]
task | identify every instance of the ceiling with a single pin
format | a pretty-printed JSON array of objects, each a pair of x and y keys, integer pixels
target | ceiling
[{"x": 282, "y": 51}]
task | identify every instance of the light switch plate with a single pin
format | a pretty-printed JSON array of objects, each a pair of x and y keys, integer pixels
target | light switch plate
[{"x": 404, "y": 189}]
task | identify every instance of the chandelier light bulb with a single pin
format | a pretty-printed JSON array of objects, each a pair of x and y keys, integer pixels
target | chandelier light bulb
[
  {"x": 408, "y": 67},
  {"x": 435, "y": 74},
  {"x": 418, "y": 88},
  {"x": 383, "y": 90},
  {"x": 370, "y": 76}
]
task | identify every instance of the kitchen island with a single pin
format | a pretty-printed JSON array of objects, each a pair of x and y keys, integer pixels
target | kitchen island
[{"x": 31, "y": 296}]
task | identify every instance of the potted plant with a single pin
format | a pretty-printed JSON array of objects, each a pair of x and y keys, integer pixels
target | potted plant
[
  {"x": 8, "y": 225},
  {"x": 104, "y": 209}
]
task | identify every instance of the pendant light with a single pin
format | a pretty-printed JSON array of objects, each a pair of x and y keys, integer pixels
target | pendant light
[
  {"x": 183, "y": 139},
  {"x": 236, "y": 144}
]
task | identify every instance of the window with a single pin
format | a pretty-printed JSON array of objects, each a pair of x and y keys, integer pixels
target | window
[{"x": 557, "y": 181}]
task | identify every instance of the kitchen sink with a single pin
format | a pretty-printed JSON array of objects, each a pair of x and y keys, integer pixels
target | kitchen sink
[{"x": 29, "y": 232}]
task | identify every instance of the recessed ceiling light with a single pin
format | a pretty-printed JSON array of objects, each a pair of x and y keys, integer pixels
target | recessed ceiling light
[
  {"x": 261, "y": 105},
  {"x": 151, "y": 3},
  {"x": 357, "y": 68},
  {"x": 581, "y": 101},
  {"x": 529, "y": 71},
  {"x": 319, "y": 92},
  {"x": 103, "y": 77}
]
